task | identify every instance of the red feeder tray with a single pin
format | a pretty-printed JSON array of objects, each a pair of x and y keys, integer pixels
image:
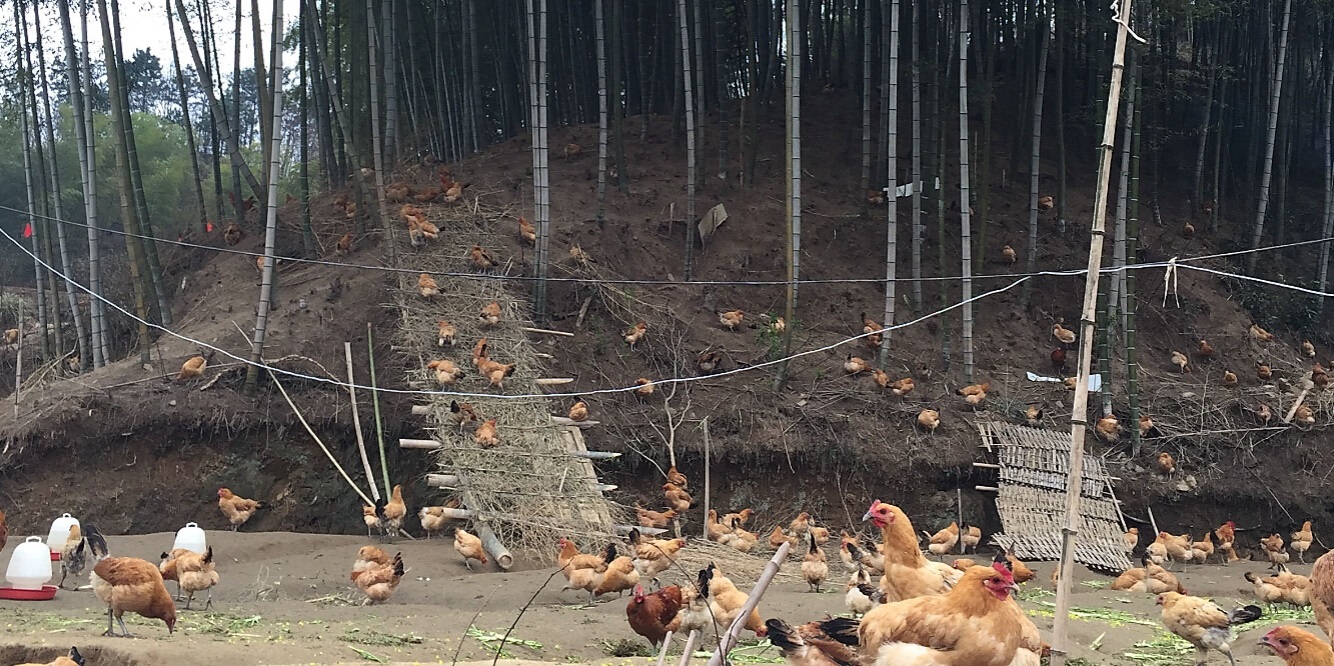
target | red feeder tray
[
  {"x": 47, "y": 593},
  {"x": 55, "y": 556}
]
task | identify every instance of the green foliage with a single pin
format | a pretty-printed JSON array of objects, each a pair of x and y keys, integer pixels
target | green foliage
[
  {"x": 12, "y": 309},
  {"x": 1278, "y": 310}
]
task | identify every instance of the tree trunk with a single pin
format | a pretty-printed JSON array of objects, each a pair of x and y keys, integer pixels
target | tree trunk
[
  {"x": 377, "y": 143},
  {"x": 138, "y": 264},
  {"x": 1266, "y": 174},
  {"x": 688, "y": 81},
  {"x": 793, "y": 149},
  {"x": 965, "y": 202},
  {"x": 1327, "y": 219},
  {"x": 918, "y": 227},
  {"x": 1132, "y": 247},
  {"x": 271, "y": 223},
  {"x": 1035, "y": 162},
  {"x": 185, "y": 122},
  {"x": 1060, "y": 116},
  {"x": 389, "y": 42},
  {"x": 307, "y": 229},
  {"x": 602, "y": 110},
  {"x": 30, "y": 180},
  {"x": 537, "y": 91},
  {"x": 865, "y": 186},
  {"x": 892, "y": 177}
]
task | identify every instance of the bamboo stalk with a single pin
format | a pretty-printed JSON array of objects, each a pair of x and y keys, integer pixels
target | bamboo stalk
[
  {"x": 356, "y": 422},
  {"x": 497, "y": 550},
  {"x": 271, "y": 220},
  {"x": 707, "y": 485},
  {"x": 545, "y": 331},
  {"x": 442, "y": 480},
  {"x": 1079, "y": 415},
  {"x": 375, "y": 400},
  {"x": 729, "y": 638},
  {"x": 891, "y": 174},
  {"x": 965, "y": 203},
  {"x": 428, "y": 444}
]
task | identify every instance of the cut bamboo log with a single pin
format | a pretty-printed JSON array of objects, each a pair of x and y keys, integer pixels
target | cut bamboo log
[
  {"x": 421, "y": 410},
  {"x": 442, "y": 480},
  {"x": 606, "y": 487},
  {"x": 458, "y": 514},
  {"x": 494, "y": 547},
  {"x": 553, "y": 381},
  {"x": 561, "y": 420},
  {"x": 427, "y": 444},
  {"x": 986, "y": 465},
  {"x": 990, "y": 489},
  {"x": 646, "y": 531},
  {"x": 545, "y": 331},
  {"x": 596, "y": 455}
]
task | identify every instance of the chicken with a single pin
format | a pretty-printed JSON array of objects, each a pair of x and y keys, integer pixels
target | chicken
[
  {"x": 739, "y": 519},
  {"x": 1304, "y": 416},
  {"x": 620, "y": 577},
  {"x": 1020, "y": 571},
  {"x": 454, "y": 191},
  {"x": 581, "y": 571},
  {"x": 861, "y": 596},
  {"x": 579, "y": 411},
  {"x": 1149, "y": 577},
  {"x": 426, "y": 286},
  {"x": 654, "y": 556},
  {"x": 379, "y": 581},
  {"x": 1062, "y": 334},
  {"x": 446, "y": 333},
  {"x": 480, "y": 259},
  {"x": 975, "y": 389},
  {"x": 645, "y": 388},
  {"x": 469, "y": 546},
  {"x": 963, "y": 563},
  {"x": 371, "y": 517},
  {"x": 1166, "y": 463},
  {"x": 1033, "y": 416},
  {"x": 71, "y": 658},
  {"x": 490, "y": 314},
  {"x": 677, "y": 498},
  {"x": 1058, "y": 360},
  {"x": 426, "y": 194},
  {"x": 908, "y": 573},
  {"x": 1229, "y": 378},
  {"x": 731, "y": 319},
  {"x": 1157, "y": 551},
  {"x": 393, "y": 512},
  {"x": 129, "y": 584},
  {"x": 1131, "y": 538},
  {"x": 344, "y": 245},
  {"x": 1274, "y": 551},
  {"x": 1265, "y": 589},
  {"x": 675, "y": 477},
  {"x": 975, "y": 623},
  {"x": 855, "y": 365},
  {"x": 1308, "y": 349},
  {"x": 1264, "y": 414},
  {"x": 1181, "y": 362},
  {"x": 1301, "y": 541},
  {"x": 496, "y": 372},
  {"x": 972, "y": 536},
  {"x": 708, "y": 361},
  {"x": 1297, "y": 647},
  {"x": 527, "y": 232},
  {"x": 694, "y": 615},
  {"x": 1321, "y": 589},
  {"x": 1108, "y": 429},
  {"x": 1187, "y": 230},
  {"x": 486, "y": 435},
  {"x": 875, "y": 197},
  {"x": 1206, "y": 350},
  {"x": 1008, "y": 255},
  {"x": 237, "y": 510},
  {"x": 726, "y": 601},
  {"x": 1178, "y": 548},
  {"x": 433, "y": 519},
  {"x": 447, "y": 372},
  {"x": 1145, "y": 425},
  {"x": 196, "y": 573},
  {"x": 1046, "y": 203},
  {"x": 871, "y": 329},
  {"x": 814, "y": 565},
  {"x": 1202, "y": 550},
  {"x": 1318, "y": 376},
  {"x": 903, "y": 386},
  {"x": 1226, "y": 533},
  {"x": 656, "y": 519},
  {"x": 194, "y": 367},
  {"x": 573, "y": 150},
  {"x": 398, "y": 191},
  {"x": 650, "y": 614},
  {"x": 1203, "y": 623},
  {"x": 943, "y": 541},
  {"x": 232, "y": 234},
  {"x": 579, "y": 256},
  {"x": 11, "y": 336},
  {"x": 635, "y": 334},
  {"x": 81, "y": 546},
  {"x": 929, "y": 419},
  {"x": 714, "y": 529},
  {"x": 777, "y": 327},
  {"x": 809, "y": 645},
  {"x": 881, "y": 378},
  {"x": 1262, "y": 371},
  {"x": 1260, "y": 334}
]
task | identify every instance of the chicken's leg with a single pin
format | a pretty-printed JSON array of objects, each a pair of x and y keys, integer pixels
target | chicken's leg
[
  {"x": 63, "y": 572},
  {"x": 189, "y": 600},
  {"x": 208, "y": 602},
  {"x": 125, "y": 633},
  {"x": 111, "y": 623}
]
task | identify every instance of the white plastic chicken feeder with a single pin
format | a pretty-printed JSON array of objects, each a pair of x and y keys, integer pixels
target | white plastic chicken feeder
[
  {"x": 60, "y": 528},
  {"x": 191, "y": 538},
  {"x": 30, "y": 565}
]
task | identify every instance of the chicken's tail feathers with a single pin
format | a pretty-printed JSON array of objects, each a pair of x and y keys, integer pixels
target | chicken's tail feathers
[
  {"x": 702, "y": 583},
  {"x": 610, "y": 553},
  {"x": 815, "y": 547},
  {"x": 75, "y": 657},
  {"x": 634, "y": 537},
  {"x": 842, "y": 629},
  {"x": 380, "y": 504},
  {"x": 782, "y": 635},
  {"x": 854, "y": 551},
  {"x": 97, "y": 544},
  {"x": 1245, "y": 614},
  {"x": 208, "y": 555}
]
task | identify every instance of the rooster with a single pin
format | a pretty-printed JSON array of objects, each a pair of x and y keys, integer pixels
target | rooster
[{"x": 649, "y": 615}]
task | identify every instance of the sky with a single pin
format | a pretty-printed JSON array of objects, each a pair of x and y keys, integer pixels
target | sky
[{"x": 144, "y": 26}]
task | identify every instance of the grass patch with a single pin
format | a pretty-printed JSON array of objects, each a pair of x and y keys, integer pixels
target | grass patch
[
  {"x": 1097, "y": 584},
  {"x": 495, "y": 641},
  {"x": 1284, "y": 613},
  {"x": 749, "y": 652},
  {"x": 624, "y": 647},
  {"x": 379, "y": 638},
  {"x": 1164, "y": 649},
  {"x": 1114, "y": 618},
  {"x": 222, "y": 624}
]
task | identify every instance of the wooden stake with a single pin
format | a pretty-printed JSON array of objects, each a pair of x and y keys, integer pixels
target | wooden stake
[
  {"x": 1079, "y": 414},
  {"x": 958, "y": 496},
  {"x": 1152, "y": 520},
  {"x": 706, "y": 475},
  {"x": 356, "y": 423},
  {"x": 545, "y": 331},
  {"x": 689, "y": 647},
  {"x": 666, "y": 643}
]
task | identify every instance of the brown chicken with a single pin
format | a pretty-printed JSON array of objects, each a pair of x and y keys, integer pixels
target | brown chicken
[
  {"x": 726, "y": 601},
  {"x": 196, "y": 573},
  {"x": 426, "y": 286},
  {"x": 881, "y": 378},
  {"x": 1203, "y": 623},
  {"x": 490, "y": 314},
  {"x": 1308, "y": 349},
  {"x": 875, "y": 197},
  {"x": 1062, "y": 334},
  {"x": 394, "y": 511},
  {"x": 378, "y": 582},
  {"x": 527, "y": 232},
  {"x": 732, "y": 319},
  {"x": 128, "y": 584},
  {"x": 433, "y": 518},
  {"x": 1263, "y": 371},
  {"x": 1304, "y": 416},
  {"x": 855, "y": 365},
  {"x": 620, "y": 577},
  {"x": 635, "y": 334},
  {"x": 1260, "y": 334},
  {"x": 902, "y": 387},
  {"x": 1181, "y": 362},
  {"x": 71, "y": 658},
  {"x": 4, "y": 530},
  {"x": 1108, "y": 429},
  {"x": 581, "y": 570},
  {"x": 677, "y": 497},
  {"x": 470, "y": 547},
  {"x": 871, "y": 329},
  {"x": 237, "y": 510},
  {"x": 1318, "y": 376},
  {"x": 398, "y": 191},
  {"x": 1297, "y": 647},
  {"x": 1301, "y": 541},
  {"x": 1322, "y": 592},
  {"x": 480, "y": 259},
  {"x": 11, "y": 336},
  {"x": 677, "y": 478},
  {"x": 486, "y": 435},
  {"x": 645, "y": 387},
  {"x": 1145, "y": 425},
  {"x": 944, "y": 541},
  {"x": 1149, "y": 577},
  {"x": 455, "y": 191},
  {"x": 232, "y": 234},
  {"x": 1166, "y": 463},
  {"x": 814, "y": 566},
  {"x": 426, "y": 194},
  {"x": 194, "y": 367},
  {"x": 1229, "y": 378},
  {"x": 1008, "y": 255},
  {"x": 447, "y": 372},
  {"x": 579, "y": 411},
  {"x": 708, "y": 361},
  {"x": 462, "y": 414},
  {"x": 446, "y": 333},
  {"x": 496, "y": 372},
  {"x": 1058, "y": 360},
  {"x": 929, "y": 419},
  {"x": 650, "y": 614},
  {"x": 1046, "y": 203},
  {"x": 1206, "y": 350},
  {"x": 1274, "y": 550},
  {"x": 654, "y": 556},
  {"x": 658, "y": 519},
  {"x": 344, "y": 245}
]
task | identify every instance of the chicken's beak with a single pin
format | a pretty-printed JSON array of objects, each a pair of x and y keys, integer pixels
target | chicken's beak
[
  {"x": 866, "y": 517},
  {"x": 1013, "y": 588}
]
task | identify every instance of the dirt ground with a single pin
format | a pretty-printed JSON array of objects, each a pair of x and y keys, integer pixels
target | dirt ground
[{"x": 285, "y": 599}]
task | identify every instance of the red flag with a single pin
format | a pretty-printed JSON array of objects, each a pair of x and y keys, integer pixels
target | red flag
[
  {"x": 209, "y": 227},
  {"x": 27, "y": 230}
]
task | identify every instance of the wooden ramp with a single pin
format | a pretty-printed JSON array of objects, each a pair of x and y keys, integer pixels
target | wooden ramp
[{"x": 1032, "y": 465}]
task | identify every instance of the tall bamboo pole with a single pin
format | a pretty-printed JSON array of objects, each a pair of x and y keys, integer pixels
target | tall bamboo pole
[
  {"x": 793, "y": 142},
  {"x": 891, "y": 177},
  {"x": 965, "y": 203},
  {"x": 918, "y": 227},
  {"x": 1035, "y": 164},
  {"x": 271, "y": 221},
  {"x": 100, "y": 325},
  {"x": 29, "y": 180},
  {"x": 1266, "y": 175},
  {"x": 688, "y": 81},
  {"x": 1079, "y": 415},
  {"x": 185, "y": 121},
  {"x": 601, "y": 32},
  {"x": 1132, "y": 246}
]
